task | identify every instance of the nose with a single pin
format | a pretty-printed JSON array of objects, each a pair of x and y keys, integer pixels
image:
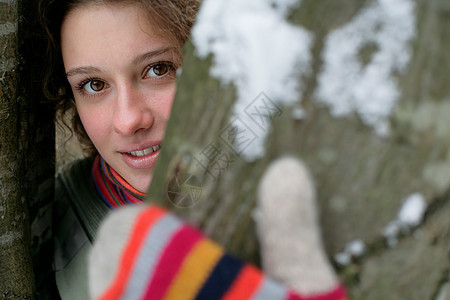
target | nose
[{"x": 132, "y": 111}]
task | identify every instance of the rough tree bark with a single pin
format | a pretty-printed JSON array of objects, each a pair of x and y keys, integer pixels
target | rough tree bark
[
  {"x": 26, "y": 148},
  {"x": 15, "y": 270},
  {"x": 362, "y": 177}
]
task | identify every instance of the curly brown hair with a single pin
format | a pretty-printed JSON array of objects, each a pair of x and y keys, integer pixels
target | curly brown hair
[{"x": 172, "y": 19}]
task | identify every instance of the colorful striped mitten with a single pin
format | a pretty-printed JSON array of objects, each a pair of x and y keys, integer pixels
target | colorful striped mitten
[{"x": 145, "y": 252}]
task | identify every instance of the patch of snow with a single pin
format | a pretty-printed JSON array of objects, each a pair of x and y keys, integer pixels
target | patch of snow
[
  {"x": 298, "y": 113},
  {"x": 346, "y": 85},
  {"x": 391, "y": 232},
  {"x": 258, "y": 51},
  {"x": 392, "y": 229},
  {"x": 343, "y": 258},
  {"x": 356, "y": 248},
  {"x": 412, "y": 210},
  {"x": 409, "y": 216},
  {"x": 353, "y": 250}
]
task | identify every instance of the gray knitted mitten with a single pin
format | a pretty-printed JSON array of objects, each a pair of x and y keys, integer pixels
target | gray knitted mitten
[{"x": 288, "y": 229}]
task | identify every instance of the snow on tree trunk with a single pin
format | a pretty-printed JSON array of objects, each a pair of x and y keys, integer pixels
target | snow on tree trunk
[{"x": 370, "y": 118}]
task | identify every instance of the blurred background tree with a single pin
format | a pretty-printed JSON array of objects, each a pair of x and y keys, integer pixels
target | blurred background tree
[{"x": 371, "y": 121}]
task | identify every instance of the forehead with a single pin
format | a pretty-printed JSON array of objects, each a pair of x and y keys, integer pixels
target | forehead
[
  {"x": 102, "y": 15},
  {"x": 95, "y": 32}
]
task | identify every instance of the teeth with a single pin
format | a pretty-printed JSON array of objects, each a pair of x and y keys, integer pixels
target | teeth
[{"x": 145, "y": 151}]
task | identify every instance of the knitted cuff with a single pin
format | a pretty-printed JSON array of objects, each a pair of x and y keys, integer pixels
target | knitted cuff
[
  {"x": 106, "y": 256},
  {"x": 288, "y": 229},
  {"x": 164, "y": 258}
]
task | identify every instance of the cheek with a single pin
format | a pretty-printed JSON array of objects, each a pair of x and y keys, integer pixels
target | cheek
[
  {"x": 168, "y": 103},
  {"x": 95, "y": 123},
  {"x": 160, "y": 104}
]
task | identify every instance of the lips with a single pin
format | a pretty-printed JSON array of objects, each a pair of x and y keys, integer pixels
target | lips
[
  {"x": 144, "y": 158},
  {"x": 145, "y": 152}
]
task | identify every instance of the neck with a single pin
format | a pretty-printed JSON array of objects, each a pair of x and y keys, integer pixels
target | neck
[{"x": 113, "y": 189}]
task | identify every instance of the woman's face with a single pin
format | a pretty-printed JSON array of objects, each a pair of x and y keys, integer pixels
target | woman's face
[{"x": 122, "y": 76}]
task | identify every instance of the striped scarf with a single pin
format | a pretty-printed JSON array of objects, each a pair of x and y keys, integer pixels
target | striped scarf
[{"x": 113, "y": 189}]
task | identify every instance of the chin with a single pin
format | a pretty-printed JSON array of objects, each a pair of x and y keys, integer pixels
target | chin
[{"x": 143, "y": 184}]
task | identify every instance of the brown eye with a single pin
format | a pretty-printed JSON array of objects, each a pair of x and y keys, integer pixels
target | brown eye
[
  {"x": 97, "y": 85},
  {"x": 158, "y": 70},
  {"x": 94, "y": 86}
]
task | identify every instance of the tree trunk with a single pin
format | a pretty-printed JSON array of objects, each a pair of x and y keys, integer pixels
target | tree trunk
[
  {"x": 26, "y": 148},
  {"x": 16, "y": 276},
  {"x": 365, "y": 161}
]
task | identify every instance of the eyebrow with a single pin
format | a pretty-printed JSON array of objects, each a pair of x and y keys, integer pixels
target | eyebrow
[
  {"x": 82, "y": 71},
  {"x": 138, "y": 60},
  {"x": 150, "y": 55}
]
